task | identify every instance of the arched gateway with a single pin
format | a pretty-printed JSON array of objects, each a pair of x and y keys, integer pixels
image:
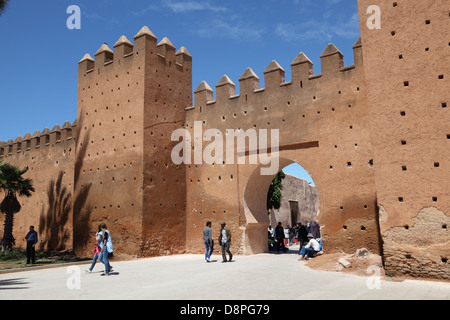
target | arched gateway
[{"x": 322, "y": 122}]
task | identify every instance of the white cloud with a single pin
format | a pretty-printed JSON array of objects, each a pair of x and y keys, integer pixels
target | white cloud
[
  {"x": 325, "y": 29},
  {"x": 237, "y": 30},
  {"x": 177, "y": 6},
  {"x": 189, "y": 6},
  {"x": 304, "y": 31}
]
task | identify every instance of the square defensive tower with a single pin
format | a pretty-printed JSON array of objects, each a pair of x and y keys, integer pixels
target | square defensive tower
[{"x": 129, "y": 102}]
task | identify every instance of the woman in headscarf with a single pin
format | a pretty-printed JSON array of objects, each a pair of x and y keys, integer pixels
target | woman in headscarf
[{"x": 315, "y": 230}]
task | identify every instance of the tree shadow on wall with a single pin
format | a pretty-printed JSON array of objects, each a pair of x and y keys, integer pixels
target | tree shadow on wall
[
  {"x": 52, "y": 224},
  {"x": 82, "y": 211}
]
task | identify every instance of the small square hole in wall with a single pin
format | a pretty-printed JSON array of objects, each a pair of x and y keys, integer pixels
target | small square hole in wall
[
  {"x": 403, "y": 113},
  {"x": 406, "y": 83},
  {"x": 434, "y": 199},
  {"x": 349, "y": 164},
  {"x": 400, "y": 199},
  {"x": 394, "y": 4},
  {"x": 393, "y": 33},
  {"x": 448, "y": 136},
  {"x": 441, "y": 76},
  {"x": 404, "y": 168},
  {"x": 436, "y": 164},
  {"x": 427, "y": 21},
  {"x": 403, "y": 142},
  {"x": 444, "y": 105}
]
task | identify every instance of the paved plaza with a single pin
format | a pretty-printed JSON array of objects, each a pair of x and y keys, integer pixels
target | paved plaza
[{"x": 189, "y": 277}]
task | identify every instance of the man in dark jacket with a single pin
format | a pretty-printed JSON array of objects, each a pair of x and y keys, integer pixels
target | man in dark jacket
[
  {"x": 207, "y": 239},
  {"x": 225, "y": 241},
  {"x": 279, "y": 235},
  {"x": 302, "y": 234},
  {"x": 32, "y": 239}
]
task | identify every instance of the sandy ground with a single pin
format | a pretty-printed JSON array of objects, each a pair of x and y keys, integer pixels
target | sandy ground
[{"x": 359, "y": 264}]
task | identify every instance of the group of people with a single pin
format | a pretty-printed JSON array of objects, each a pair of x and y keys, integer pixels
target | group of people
[
  {"x": 224, "y": 241},
  {"x": 103, "y": 249},
  {"x": 308, "y": 236}
]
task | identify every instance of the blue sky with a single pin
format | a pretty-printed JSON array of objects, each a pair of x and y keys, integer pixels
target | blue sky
[
  {"x": 298, "y": 171},
  {"x": 39, "y": 56}
]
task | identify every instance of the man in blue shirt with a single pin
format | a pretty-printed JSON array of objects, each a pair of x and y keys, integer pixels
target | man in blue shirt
[{"x": 32, "y": 239}]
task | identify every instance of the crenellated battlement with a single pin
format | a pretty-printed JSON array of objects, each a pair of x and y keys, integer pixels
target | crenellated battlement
[
  {"x": 145, "y": 43},
  {"x": 332, "y": 65},
  {"x": 39, "y": 139}
]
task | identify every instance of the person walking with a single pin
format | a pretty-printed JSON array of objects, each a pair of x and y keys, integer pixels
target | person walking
[
  {"x": 98, "y": 241},
  {"x": 32, "y": 239},
  {"x": 209, "y": 243},
  {"x": 225, "y": 241},
  {"x": 106, "y": 249}
]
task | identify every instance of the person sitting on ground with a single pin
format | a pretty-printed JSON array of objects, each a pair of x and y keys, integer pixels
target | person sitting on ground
[{"x": 311, "y": 248}]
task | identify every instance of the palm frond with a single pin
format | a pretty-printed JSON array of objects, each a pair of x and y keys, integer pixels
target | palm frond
[{"x": 12, "y": 180}]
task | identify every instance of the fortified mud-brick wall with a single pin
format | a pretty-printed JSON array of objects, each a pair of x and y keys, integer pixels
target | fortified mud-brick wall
[
  {"x": 407, "y": 66},
  {"x": 129, "y": 102},
  {"x": 322, "y": 121},
  {"x": 50, "y": 157}
]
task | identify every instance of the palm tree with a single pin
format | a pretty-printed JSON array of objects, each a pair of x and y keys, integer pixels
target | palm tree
[
  {"x": 12, "y": 182},
  {"x": 3, "y": 5}
]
